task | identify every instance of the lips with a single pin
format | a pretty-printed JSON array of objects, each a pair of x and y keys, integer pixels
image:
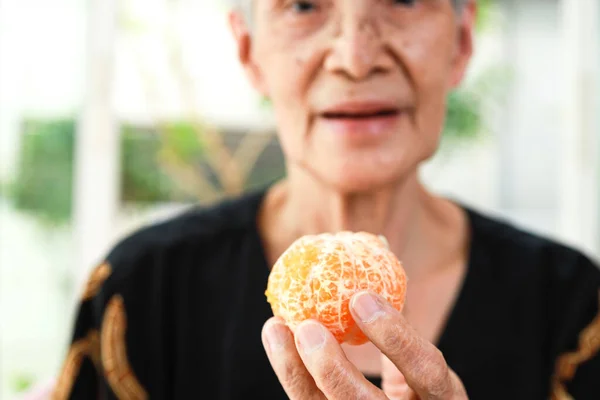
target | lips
[
  {"x": 360, "y": 115},
  {"x": 360, "y": 123},
  {"x": 360, "y": 110}
]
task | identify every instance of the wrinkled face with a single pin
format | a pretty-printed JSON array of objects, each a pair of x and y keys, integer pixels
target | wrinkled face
[{"x": 358, "y": 87}]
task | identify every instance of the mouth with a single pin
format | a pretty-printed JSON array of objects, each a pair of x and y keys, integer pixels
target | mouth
[
  {"x": 362, "y": 123},
  {"x": 358, "y": 110},
  {"x": 361, "y": 115}
]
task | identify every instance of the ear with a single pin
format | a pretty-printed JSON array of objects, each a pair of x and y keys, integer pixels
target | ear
[
  {"x": 243, "y": 39},
  {"x": 465, "y": 38}
]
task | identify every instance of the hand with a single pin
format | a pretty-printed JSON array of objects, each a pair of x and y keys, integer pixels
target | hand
[{"x": 312, "y": 365}]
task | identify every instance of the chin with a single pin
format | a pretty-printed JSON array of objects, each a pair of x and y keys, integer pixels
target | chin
[
  {"x": 360, "y": 170},
  {"x": 357, "y": 178}
]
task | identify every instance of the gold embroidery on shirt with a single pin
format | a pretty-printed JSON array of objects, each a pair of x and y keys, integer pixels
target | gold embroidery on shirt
[
  {"x": 88, "y": 346},
  {"x": 567, "y": 364},
  {"x": 117, "y": 370},
  {"x": 559, "y": 392},
  {"x": 96, "y": 279}
]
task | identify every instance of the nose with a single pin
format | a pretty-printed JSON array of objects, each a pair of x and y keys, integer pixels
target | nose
[{"x": 358, "y": 49}]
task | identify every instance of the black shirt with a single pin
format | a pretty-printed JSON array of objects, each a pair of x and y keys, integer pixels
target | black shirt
[{"x": 176, "y": 310}]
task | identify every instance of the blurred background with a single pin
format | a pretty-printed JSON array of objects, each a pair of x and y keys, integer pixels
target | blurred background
[{"x": 115, "y": 114}]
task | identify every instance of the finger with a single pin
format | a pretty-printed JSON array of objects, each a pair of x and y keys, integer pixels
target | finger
[
  {"x": 421, "y": 363},
  {"x": 324, "y": 358},
  {"x": 287, "y": 364},
  {"x": 393, "y": 383},
  {"x": 458, "y": 384}
]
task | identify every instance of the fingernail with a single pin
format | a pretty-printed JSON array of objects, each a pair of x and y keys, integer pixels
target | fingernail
[
  {"x": 311, "y": 336},
  {"x": 276, "y": 336},
  {"x": 367, "y": 307}
]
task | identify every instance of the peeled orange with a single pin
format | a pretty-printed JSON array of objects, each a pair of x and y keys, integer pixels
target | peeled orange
[{"x": 316, "y": 277}]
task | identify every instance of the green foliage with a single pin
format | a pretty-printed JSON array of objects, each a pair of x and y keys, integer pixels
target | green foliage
[
  {"x": 463, "y": 119},
  {"x": 43, "y": 185},
  {"x": 45, "y": 175},
  {"x": 182, "y": 138},
  {"x": 142, "y": 178},
  {"x": 21, "y": 382},
  {"x": 265, "y": 102},
  {"x": 466, "y": 106},
  {"x": 44, "y": 181},
  {"x": 485, "y": 13}
]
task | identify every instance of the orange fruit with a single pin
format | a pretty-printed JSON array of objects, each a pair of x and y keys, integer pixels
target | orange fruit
[{"x": 316, "y": 277}]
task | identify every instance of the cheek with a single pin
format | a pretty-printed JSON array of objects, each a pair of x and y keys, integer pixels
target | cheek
[
  {"x": 282, "y": 78},
  {"x": 288, "y": 72},
  {"x": 291, "y": 125},
  {"x": 428, "y": 64},
  {"x": 430, "y": 117},
  {"x": 288, "y": 64},
  {"x": 283, "y": 65}
]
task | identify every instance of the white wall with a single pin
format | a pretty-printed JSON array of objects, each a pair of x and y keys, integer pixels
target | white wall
[
  {"x": 580, "y": 203},
  {"x": 537, "y": 128},
  {"x": 41, "y": 66}
]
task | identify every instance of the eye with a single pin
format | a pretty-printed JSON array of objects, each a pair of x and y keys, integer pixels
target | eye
[{"x": 303, "y": 7}]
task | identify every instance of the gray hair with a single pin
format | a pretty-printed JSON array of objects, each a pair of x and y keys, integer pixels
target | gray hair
[{"x": 245, "y": 7}]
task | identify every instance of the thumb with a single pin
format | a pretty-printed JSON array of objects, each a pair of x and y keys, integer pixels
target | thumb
[{"x": 393, "y": 383}]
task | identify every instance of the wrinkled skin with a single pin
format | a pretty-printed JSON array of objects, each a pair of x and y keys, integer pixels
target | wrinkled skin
[
  {"x": 313, "y": 366},
  {"x": 306, "y": 61},
  {"x": 309, "y": 57}
]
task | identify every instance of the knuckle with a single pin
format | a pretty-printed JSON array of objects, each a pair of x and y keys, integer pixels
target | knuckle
[
  {"x": 436, "y": 357},
  {"x": 332, "y": 377},
  {"x": 439, "y": 386},
  {"x": 438, "y": 375},
  {"x": 331, "y": 374},
  {"x": 392, "y": 342},
  {"x": 294, "y": 377}
]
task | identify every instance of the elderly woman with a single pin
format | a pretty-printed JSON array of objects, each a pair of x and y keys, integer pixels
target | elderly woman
[{"x": 359, "y": 88}]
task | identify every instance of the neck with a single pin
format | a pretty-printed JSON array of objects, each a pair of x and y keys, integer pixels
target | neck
[
  {"x": 381, "y": 211},
  {"x": 404, "y": 212}
]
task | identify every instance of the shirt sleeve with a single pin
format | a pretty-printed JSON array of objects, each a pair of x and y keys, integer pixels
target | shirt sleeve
[
  {"x": 577, "y": 368},
  {"x": 96, "y": 365},
  {"x": 80, "y": 376}
]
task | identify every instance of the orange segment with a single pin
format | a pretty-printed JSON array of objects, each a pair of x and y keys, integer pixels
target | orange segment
[{"x": 316, "y": 277}]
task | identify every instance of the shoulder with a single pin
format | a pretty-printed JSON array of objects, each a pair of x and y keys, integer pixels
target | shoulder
[
  {"x": 552, "y": 284},
  {"x": 520, "y": 251},
  {"x": 191, "y": 237},
  {"x": 134, "y": 296},
  {"x": 197, "y": 224}
]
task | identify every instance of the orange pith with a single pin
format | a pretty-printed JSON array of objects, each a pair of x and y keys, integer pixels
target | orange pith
[{"x": 316, "y": 277}]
